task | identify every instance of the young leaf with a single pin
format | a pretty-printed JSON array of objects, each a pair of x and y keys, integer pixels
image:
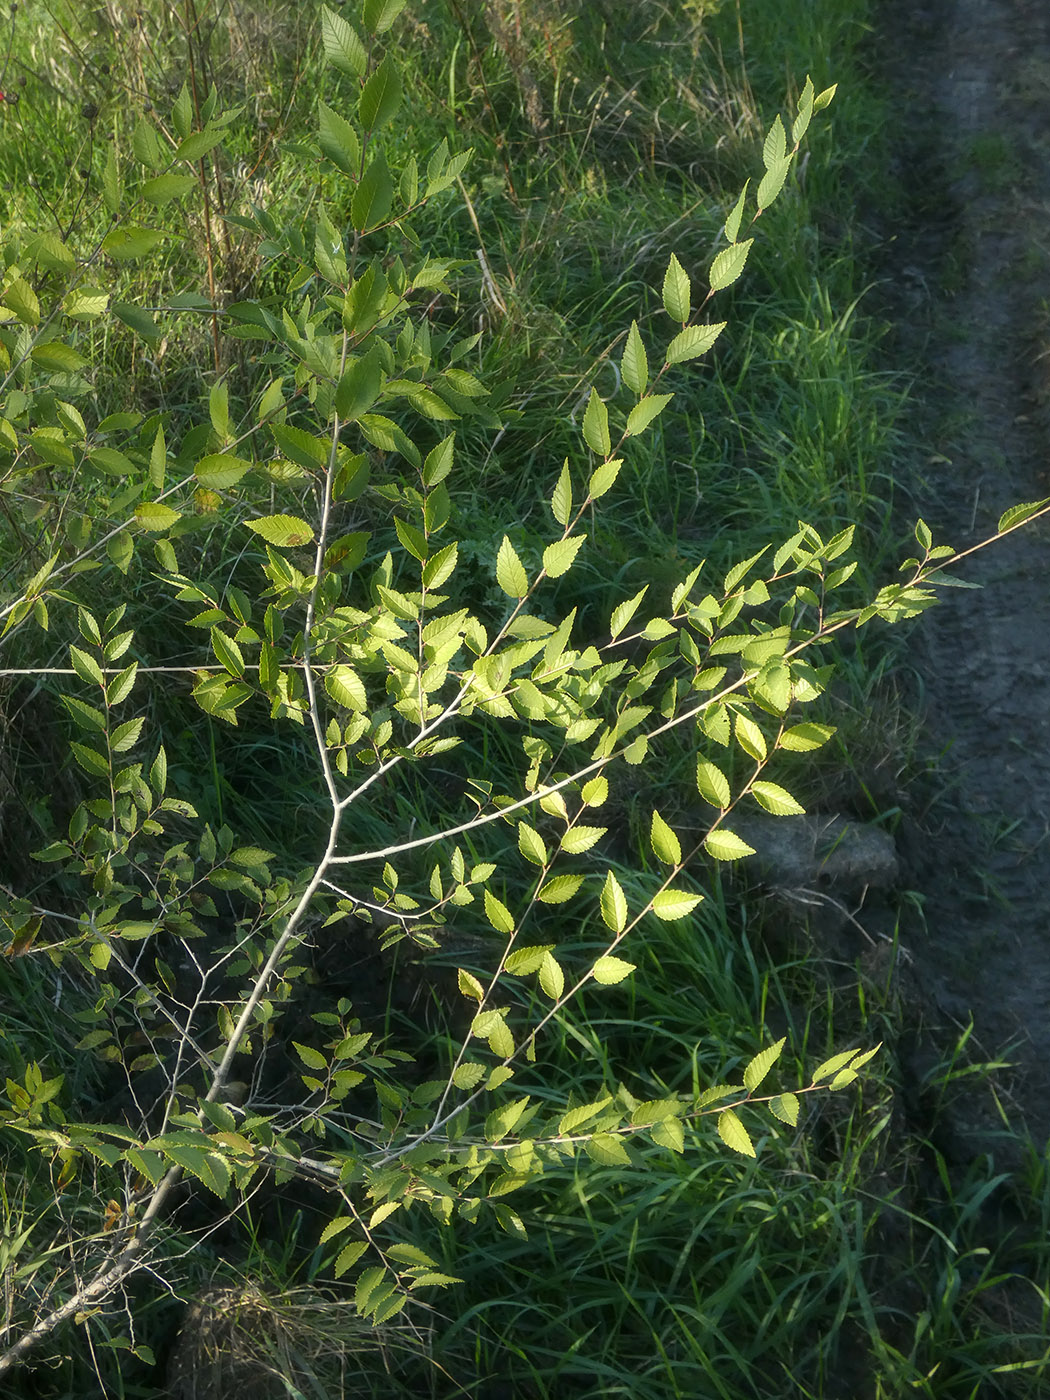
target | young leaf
[
  {"x": 609, "y": 970},
  {"x": 596, "y": 426},
  {"x": 470, "y": 986},
  {"x": 510, "y": 573},
  {"x": 284, "y": 531},
  {"x": 558, "y": 558},
  {"x": 734, "y": 1134},
  {"x": 785, "y": 1107},
  {"x": 1016, "y": 514},
  {"x": 712, "y": 784},
  {"x": 760, "y": 1066},
  {"x": 726, "y": 845},
  {"x": 801, "y": 738},
  {"x": 531, "y": 844},
  {"x": 634, "y": 366},
  {"x": 561, "y": 501},
  {"x": 666, "y": 845},
  {"x": 219, "y": 471},
  {"x": 775, "y": 145},
  {"x": 643, "y": 413},
  {"x": 613, "y": 904},
  {"x": 155, "y": 516},
  {"x": 607, "y": 1150},
  {"x": 729, "y": 264},
  {"x": 732, "y": 228},
  {"x": 670, "y": 905},
  {"x": 499, "y": 916},
  {"x": 552, "y": 979},
  {"x": 346, "y": 688},
  {"x": 677, "y": 291},
  {"x": 693, "y": 341},
  {"x": 560, "y": 889},
  {"x": 776, "y": 800},
  {"x": 623, "y": 612}
]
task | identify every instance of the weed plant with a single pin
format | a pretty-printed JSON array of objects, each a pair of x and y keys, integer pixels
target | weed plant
[{"x": 605, "y": 137}]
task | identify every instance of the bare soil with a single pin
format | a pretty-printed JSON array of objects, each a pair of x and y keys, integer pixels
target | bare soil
[{"x": 970, "y": 273}]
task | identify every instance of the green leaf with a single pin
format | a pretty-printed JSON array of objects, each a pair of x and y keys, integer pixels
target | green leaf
[
  {"x": 531, "y": 844},
  {"x": 312, "y": 1059},
  {"x": 596, "y": 426},
  {"x": 1016, "y": 514},
  {"x": 729, "y": 264},
  {"x": 607, "y": 1150},
  {"x": 712, "y": 784},
  {"x": 574, "y": 1118},
  {"x": 670, "y": 905},
  {"x": 23, "y": 301},
  {"x": 346, "y": 688},
  {"x": 760, "y": 1066},
  {"x": 552, "y": 979},
  {"x": 823, "y": 99},
  {"x": 469, "y": 985},
  {"x": 373, "y": 197},
  {"x": 643, "y": 413},
  {"x": 219, "y": 471},
  {"x": 227, "y": 653},
  {"x": 750, "y": 738},
  {"x": 197, "y": 144},
  {"x": 772, "y": 183},
  {"x": 85, "y": 304},
  {"x": 613, "y": 904},
  {"x": 439, "y": 567},
  {"x": 677, "y": 291},
  {"x": 558, "y": 558},
  {"x": 348, "y": 1257},
  {"x": 634, "y": 366},
  {"x": 338, "y": 140},
  {"x": 666, "y": 845},
  {"x": 138, "y": 319},
  {"x": 359, "y": 387},
  {"x": 164, "y": 188},
  {"x": 732, "y": 228},
  {"x": 524, "y": 961},
  {"x": 776, "y": 800},
  {"x": 726, "y": 845},
  {"x": 603, "y": 478},
  {"x": 155, "y": 517},
  {"x": 623, "y": 612},
  {"x": 284, "y": 531},
  {"x": 609, "y": 970},
  {"x": 693, "y": 341},
  {"x": 734, "y": 1134},
  {"x": 581, "y": 838},
  {"x": 510, "y": 573},
  {"x": 380, "y": 96},
  {"x": 561, "y": 502},
  {"x": 342, "y": 47},
  {"x": 560, "y": 889},
  {"x": 499, "y": 916},
  {"x": 803, "y": 737},
  {"x": 56, "y": 357},
  {"x": 774, "y": 147},
  {"x": 379, "y": 15},
  {"x": 785, "y": 1107},
  {"x": 126, "y": 244}
]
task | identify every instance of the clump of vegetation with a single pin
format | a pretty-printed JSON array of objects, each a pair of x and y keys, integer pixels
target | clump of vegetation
[{"x": 417, "y": 656}]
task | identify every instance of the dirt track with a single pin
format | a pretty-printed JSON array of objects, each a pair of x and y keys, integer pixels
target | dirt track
[{"x": 974, "y": 294}]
